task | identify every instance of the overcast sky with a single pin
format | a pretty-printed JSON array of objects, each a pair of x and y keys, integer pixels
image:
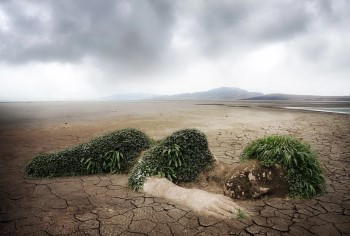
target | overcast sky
[{"x": 82, "y": 49}]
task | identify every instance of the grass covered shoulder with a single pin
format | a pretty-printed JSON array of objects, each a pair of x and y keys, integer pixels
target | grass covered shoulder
[
  {"x": 301, "y": 168},
  {"x": 179, "y": 158},
  {"x": 114, "y": 152}
]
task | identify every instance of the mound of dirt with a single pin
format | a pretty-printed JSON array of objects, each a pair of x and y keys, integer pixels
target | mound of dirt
[
  {"x": 245, "y": 180},
  {"x": 252, "y": 180}
]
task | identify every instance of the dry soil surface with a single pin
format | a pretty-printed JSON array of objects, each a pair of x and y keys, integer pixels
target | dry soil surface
[{"x": 103, "y": 204}]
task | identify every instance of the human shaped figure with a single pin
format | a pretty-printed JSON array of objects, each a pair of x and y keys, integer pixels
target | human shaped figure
[{"x": 182, "y": 157}]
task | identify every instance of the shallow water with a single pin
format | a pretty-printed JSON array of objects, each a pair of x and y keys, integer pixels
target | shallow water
[{"x": 341, "y": 110}]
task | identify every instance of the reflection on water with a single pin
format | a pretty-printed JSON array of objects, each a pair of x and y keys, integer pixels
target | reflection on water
[{"x": 341, "y": 110}]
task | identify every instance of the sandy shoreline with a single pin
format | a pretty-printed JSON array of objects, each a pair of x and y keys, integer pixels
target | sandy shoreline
[{"x": 30, "y": 128}]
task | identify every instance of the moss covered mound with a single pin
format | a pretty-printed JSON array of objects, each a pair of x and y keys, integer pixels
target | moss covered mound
[
  {"x": 122, "y": 148},
  {"x": 300, "y": 165},
  {"x": 180, "y": 158}
]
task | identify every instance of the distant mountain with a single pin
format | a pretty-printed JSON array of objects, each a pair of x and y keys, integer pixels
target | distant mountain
[
  {"x": 130, "y": 97},
  {"x": 290, "y": 97},
  {"x": 223, "y": 93}
]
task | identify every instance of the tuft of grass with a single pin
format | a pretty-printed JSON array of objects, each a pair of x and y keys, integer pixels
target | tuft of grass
[
  {"x": 114, "y": 152},
  {"x": 240, "y": 214},
  {"x": 302, "y": 170},
  {"x": 180, "y": 157}
]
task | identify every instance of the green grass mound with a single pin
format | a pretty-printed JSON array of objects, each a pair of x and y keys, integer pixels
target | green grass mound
[
  {"x": 114, "y": 152},
  {"x": 300, "y": 165},
  {"x": 179, "y": 158}
]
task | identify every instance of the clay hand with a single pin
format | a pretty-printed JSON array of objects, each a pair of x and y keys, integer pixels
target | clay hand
[
  {"x": 212, "y": 204},
  {"x": 202, "y": 202}
]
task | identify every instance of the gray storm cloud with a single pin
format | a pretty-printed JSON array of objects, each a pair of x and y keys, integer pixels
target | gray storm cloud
[
  {"x": 136, "y": 34},
  {"x": 233, "y": 24},
  {"x": 126, "y": 32}
]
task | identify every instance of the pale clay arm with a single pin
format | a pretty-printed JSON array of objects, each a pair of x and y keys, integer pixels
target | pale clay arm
[{"x": 202, "y": 202}]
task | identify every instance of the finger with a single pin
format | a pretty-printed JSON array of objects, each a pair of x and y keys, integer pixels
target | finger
[
  {"x": 221, "y": 211},
  {"x": 216, "y": 214},
  {"x": 225, "y": 199},
  {"x": 233, "y": 208},
  {"x": 229, "y": 202}
]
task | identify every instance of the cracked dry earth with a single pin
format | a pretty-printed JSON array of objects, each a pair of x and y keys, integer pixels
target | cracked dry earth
[{"x": 103, "y": 205}]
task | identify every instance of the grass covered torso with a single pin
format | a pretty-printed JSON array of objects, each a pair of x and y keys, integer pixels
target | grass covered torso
[{"x": 180, "y": 158}]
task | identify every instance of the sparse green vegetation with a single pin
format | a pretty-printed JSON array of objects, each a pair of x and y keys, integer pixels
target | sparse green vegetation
[
  {"x": 302, "y": 170},
  {"x": 114, "y": 152},
  {"x": 240, "y": 214},
  {"x": 180, "y": 158}
]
